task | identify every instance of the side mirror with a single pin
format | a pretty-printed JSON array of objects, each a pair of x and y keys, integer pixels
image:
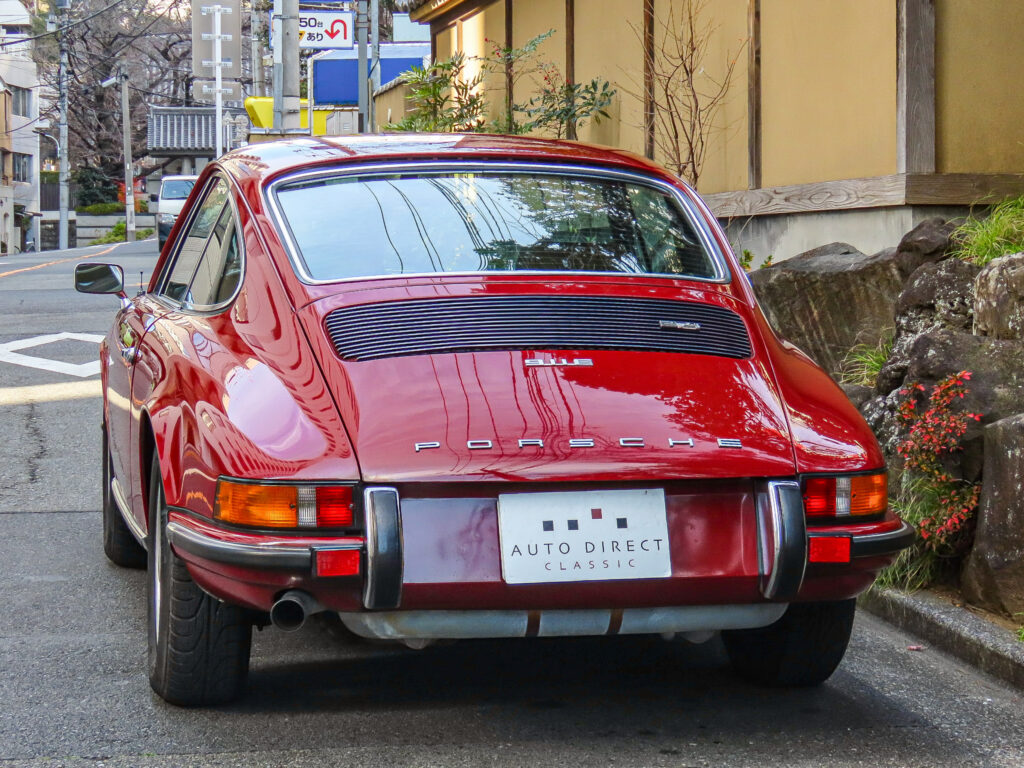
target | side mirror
[
  {"x": 154, "y": 197},
  {"x": 99, "y": 278}
]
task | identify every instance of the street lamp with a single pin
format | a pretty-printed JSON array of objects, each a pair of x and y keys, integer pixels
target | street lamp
[
  {"x": 129, "y": 185},
  {"x": 56, "y": 144}
]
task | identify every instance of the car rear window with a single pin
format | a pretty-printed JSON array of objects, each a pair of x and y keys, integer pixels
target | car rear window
[
  {"x": 176, "y": 189},
  {"x": 358, "y": 226}
]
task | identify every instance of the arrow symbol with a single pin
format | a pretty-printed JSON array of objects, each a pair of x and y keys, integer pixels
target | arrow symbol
[{"x": 333, "y": 32}]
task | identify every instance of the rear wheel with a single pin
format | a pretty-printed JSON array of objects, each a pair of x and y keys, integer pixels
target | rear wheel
[
  {"x": 803, "y": 648},
  {"x": 198, "y": 646},
  {"x": 119, "y": 543}
]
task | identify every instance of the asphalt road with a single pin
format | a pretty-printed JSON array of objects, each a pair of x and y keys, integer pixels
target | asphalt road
[{"x": 73, "y": 689}]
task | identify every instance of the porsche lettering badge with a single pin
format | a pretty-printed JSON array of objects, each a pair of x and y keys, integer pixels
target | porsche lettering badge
[{"x": 579, "y": 442}]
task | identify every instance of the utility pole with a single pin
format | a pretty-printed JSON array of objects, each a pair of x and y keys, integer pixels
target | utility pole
[
  {"x": 291, "y": 117},
  {"x": 62, "y": 121},
  {"x": 375, "y": 61},
  {"x": 129, "y": 177},
  {"x": 361, "y": 72},
  {"x": 256, "y": 26},
  {"x": 276, "y": 32}
]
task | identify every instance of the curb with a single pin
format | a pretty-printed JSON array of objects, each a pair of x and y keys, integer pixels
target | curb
[{"x": 956, "y": 631}]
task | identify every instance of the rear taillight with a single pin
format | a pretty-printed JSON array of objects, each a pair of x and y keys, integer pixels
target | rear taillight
[
  {"x": 273, "y": 505},
  {"x": 845, "y": 496}
]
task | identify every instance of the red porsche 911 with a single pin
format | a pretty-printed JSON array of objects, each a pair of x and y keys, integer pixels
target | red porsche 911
[{"x": 467, "y": 386}]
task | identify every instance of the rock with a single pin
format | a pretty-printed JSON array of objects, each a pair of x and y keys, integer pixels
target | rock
[
  {"x": 832, "y": 298},
  {"x": 880, "y": 414},
  {"x": 994, "y": 573},
  {"x": 857, "y": 393},
  {"x": 938, "y": 295},
  {"x": 930, "y": 239},
  {"x": 999, "y": 298}
]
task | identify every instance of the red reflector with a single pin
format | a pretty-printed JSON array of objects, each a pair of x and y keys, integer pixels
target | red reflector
[
  {"x": 829, "y": 549},
  {"x": 337, "y": 562},
  {"x": 819, "y": 496},
  {"x": 334, "y": 506}
]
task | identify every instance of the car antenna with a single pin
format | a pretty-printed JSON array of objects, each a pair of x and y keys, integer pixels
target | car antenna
[{"x": 142, "y": 282}]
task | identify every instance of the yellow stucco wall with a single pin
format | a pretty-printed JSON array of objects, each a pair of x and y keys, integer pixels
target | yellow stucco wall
[
  {"x": 979, "y": 66},
  {"x": 725, "y": 159},
  {"x": 829, "y": 89},
  {"x": 534, "y": 17},
  {"x": 613, "y": 52},
  {"x": 478, "y": 32},
  {"x": 390, "y": 106},
  {"x": 446, "y": 42}
]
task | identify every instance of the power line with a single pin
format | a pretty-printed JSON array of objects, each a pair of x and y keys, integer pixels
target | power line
[{"x": 21, "y": 40}]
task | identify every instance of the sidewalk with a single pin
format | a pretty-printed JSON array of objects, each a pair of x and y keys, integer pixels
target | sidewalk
[{"x": 955, "y": 630}]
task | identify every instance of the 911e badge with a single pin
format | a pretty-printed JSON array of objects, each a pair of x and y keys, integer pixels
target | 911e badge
[{"x": 583, "y": 536}]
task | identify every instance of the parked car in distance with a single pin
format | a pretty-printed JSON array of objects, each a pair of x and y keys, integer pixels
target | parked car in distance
[
  {"x": 174, "y": 191},
  {"x": 453, "y": 387}
]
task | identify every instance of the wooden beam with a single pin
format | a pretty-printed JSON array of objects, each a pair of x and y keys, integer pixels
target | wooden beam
[
  {"x": 962, "y": 188},
  {"x": 953, "y": 189},
  {"x": 431, "y": 10},
  {"x": 570, "y": 41},
  {"x": 649, "y": 78},
  {"x": 805, "y": 198},
  {"x": 915, "y": 86},
  {"x": 509, "y": 97},
  {"x": 754, "y": 94},
  {"x": 570, "y": 54}
]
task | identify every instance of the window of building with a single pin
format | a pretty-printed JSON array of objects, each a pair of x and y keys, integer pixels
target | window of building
[
  {"x": 22, "y": 167},
  {"x": 21, "y": 101}
]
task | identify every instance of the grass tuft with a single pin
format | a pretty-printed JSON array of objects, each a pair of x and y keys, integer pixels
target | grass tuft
[
  {"x": 916, "y": 567},
  {"x": 862, "y": 364},
  {"x": 1000, "y": 233},
  {"x": 119, "y": 232}
]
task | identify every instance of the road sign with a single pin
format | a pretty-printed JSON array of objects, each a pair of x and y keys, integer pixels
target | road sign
[
  {"x": 231, "y": 50},
  {"x": 204, "y": 90},
  {"x": 326, "y": 29}
]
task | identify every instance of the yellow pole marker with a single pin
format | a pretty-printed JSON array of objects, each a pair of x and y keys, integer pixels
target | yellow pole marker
[{"x": 50, "y": 393}]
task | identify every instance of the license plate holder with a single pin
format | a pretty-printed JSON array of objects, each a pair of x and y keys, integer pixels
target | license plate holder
[{"x": 567, "y": 536}]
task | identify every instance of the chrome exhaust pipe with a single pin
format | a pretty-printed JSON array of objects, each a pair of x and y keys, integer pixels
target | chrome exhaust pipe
[{"x": 292, "y": 609}]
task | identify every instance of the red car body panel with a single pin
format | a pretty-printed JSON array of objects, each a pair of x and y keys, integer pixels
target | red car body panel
[{"x": 258, "y": 391}]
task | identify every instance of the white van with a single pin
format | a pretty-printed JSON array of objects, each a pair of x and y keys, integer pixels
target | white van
[{"x": 174, "y": 191}]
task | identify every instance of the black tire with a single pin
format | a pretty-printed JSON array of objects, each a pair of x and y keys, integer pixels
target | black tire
[
  {"x": 198, "y": 645},
  {"x": 803, "y": 648},
  {"x": 119, "y": 544}
]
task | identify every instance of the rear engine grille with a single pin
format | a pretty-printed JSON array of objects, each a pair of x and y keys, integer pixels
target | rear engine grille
[{"x": 483, "y": 323}]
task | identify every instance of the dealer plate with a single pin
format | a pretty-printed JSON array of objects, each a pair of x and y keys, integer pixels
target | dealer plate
[{"x": 583, "y": 536}]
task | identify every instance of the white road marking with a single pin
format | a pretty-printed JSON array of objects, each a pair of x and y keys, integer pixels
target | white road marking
[
  {"x": 49, "y": 393},
  {"x": 81, "y": 370}
]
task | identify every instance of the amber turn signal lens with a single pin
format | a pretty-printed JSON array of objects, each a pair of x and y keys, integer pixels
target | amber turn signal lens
[
  {"x": 869, "y": 494},
  {"x": 263, "y": 506}
]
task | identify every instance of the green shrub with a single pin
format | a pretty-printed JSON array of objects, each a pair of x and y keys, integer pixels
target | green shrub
[
  {"x": 101, "y": 209},
  {"x": 940, "y": 506},
  {"x": 998, "y": 234},
  {"x": 94, "y": 186},
  {"x": 118, "y": 232},
  {"x": 747, "y": 261}
]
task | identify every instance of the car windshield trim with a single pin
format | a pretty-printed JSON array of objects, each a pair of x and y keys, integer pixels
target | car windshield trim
[{"x": 687, "y": 209}]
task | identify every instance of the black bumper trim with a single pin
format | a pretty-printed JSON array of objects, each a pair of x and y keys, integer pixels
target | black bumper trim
[
  {"x": 889, "y": 543},
  {"x": 267, "y": 556}
]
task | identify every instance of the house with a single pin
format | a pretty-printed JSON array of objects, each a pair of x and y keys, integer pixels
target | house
[
  {"x": 19, "y": 221},
  {"x": 847, "y": 120}
]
